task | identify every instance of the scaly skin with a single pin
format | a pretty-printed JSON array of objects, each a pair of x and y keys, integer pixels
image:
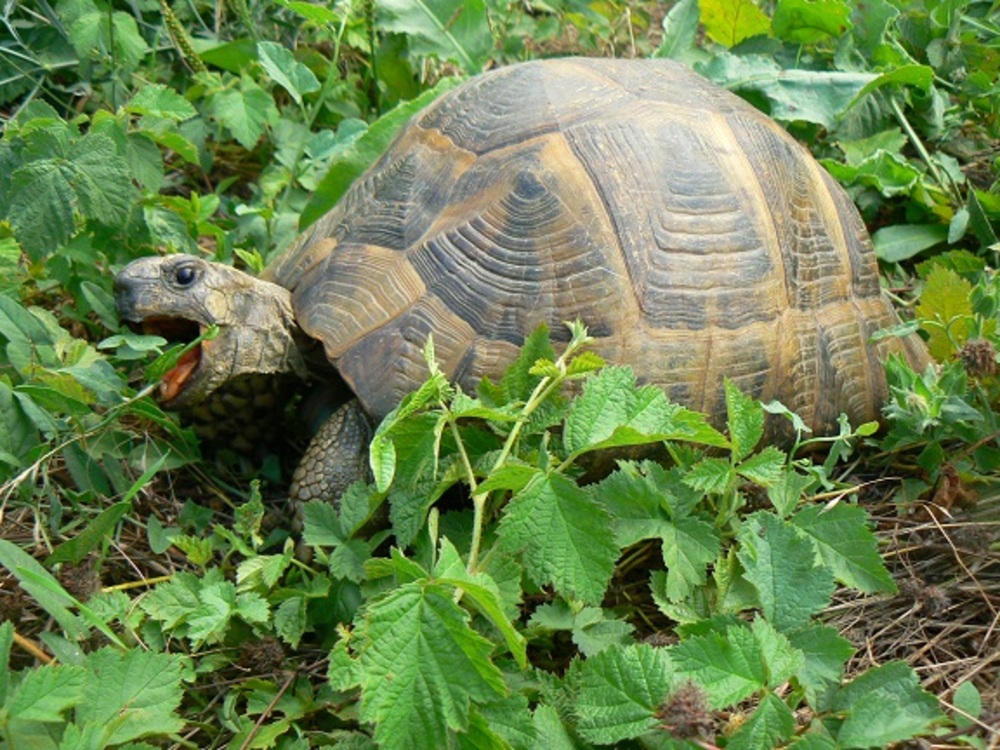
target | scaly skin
[{"x": 257, "y": 335}]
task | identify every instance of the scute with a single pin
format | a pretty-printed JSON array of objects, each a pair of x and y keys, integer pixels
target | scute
[{"x": 694, "y": 237}]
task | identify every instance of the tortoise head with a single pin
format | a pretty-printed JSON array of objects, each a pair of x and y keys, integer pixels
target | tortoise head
[{"x": 180, "y": 296}]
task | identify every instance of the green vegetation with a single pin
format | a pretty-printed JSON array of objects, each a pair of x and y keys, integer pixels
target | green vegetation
[{"x": 153, "y": 598}]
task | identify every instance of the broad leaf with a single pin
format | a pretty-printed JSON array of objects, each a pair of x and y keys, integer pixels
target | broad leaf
[
  {"x": 884, "y": 705},
  {"x": 563, "y": 534},
  {"x": 745, "y": 421},
  {"x": 737, "y": 662},
  {"x": 619, "y": 691},
  {"x": 782, "y": 566},
  {"x": 354, "y": 157},
  {"x": 46, "y": 692},
  {"x": 810, "y": 21},
  {"x": 847, "y": 545},
  {"x": 161, "y": 101},
  {"x": 422, "y": 667},
  {"x": 729, "y": 22},
  {"x": 946, "y": 300},
  {"x": 455, "y": 30},
  {"x": 285, "y": 70},
  {"x": 901, "y": 242},
  {"x": 134, "y": 693},
  {"x": 770, "y": 725}
]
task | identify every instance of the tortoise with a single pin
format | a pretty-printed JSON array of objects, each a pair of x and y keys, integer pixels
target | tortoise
[{"x": 692, "y": 235}]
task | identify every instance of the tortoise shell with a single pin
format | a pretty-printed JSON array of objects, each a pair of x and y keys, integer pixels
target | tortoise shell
[{"x": 694, "y": 237}]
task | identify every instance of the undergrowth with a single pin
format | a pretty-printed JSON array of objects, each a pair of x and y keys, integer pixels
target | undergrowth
[{"x": 525, "y": 590}]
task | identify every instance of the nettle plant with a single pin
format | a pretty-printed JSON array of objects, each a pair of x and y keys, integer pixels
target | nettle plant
[{"x": 491, "y": 623}]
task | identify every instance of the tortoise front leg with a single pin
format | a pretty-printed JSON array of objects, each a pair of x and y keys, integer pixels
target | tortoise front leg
[{"x": 337, "y": 457}]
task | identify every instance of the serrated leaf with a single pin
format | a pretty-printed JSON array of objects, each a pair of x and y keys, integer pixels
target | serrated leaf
[
  {"x": 736, "y": 662},
  {"x": 562, "y": 533},
  {"x": 744, "y": 420},
  {"x": 764, "y": 468},
  {"x": 246, "y": 111},
  {"x": 771, "y": 724},
  {"x": 619, "y": 691},
  {"x": 101, "y": 180},
  {"x": 422, "y": 666},
  {"x": 729, "y": 22},
  {"x": 173, "y": 602},
  {"x": 655, "y": 503},
  {"x": 286, "y": 71},
  {"x": 847, "y": 546},
  {"x": 382, "y": 459},
  {"x": 786, "y": 492},
  {"x": 46, "y": 692},
  {"x": 825, "y": 652},
  {"x": 40, "y": 207},
  {"x": 884, "y": 705},
  {"x": 781, "y": 566},
  {"x": 710, "y": 475},
  {"x": 946, "y": 299},
  {"x": 455, "y": 30},
  {"x": 134, "y": 693},
  {"x": 483, "y": 593},
  {"x": 290, "y": 620},
  {"x": 810, "y": 21},
  {"x": 613, "y": 411},
  {"x": 157, "y": 100}
]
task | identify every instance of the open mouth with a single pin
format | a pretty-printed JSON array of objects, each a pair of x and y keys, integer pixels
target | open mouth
[{"x": 176, "y": 331}]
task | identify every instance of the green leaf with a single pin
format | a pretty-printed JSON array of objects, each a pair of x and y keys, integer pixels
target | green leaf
[
  {"x": 847, "y": 546},
  {"x": 765, "y": 468},
  {"x": 825, "y": 652},
  {"x": 422, "y": 666},
  {"x": 133, "y": 693},
  {"x": 613, "y": 412},
  {"x": 810, "y": 21},
  {"x": 967, "y": 700},
  {"x": 770, "y": 725},
  {"x": 884, "y": 705},
  {"x": 946, "y": 300},
  {"x": 455, "y": 30},
  {"x": 563, "y": 534},
  {"x": 680, "y": 29},
  {"x": 619, "y": 691},
  {"x": 101, "y": 179},
  {"x": 382, "y": 459},
  {"x": 290, "y": 620},
  {"x": 745, "y": 421},
  {"x": 483, "y": 593},
  {"x": 648, "y": 502},
  {"x": 710, "y": 475},
  {"x": 354, "y": 157},
  {"x": 729, "y": 22},
  {"x": 246, "y": 111},
  {"x": 903, "y": 241},
  {"x": 157, "y": 100},
  {"x": 77, "y": 548},
  {"x": 735, "y": 663},
  {"x": 40, "y": 207},
  {"x": 42, "y": 587},
  {"x": 786, "y": 492},
  {"x": 781, "y": 566},
  {"x": 46, "y": 692},
  {"x": 285, "y": 70},
  {"x": 816, "y": 96}
]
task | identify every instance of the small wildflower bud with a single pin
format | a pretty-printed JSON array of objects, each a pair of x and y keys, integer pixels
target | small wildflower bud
[
  {"x": 685, "y": 713},
  {"x": 979, "y": 358}
]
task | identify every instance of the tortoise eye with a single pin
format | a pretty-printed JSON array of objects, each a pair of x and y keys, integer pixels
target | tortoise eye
[{"x": 185, "y": 275}]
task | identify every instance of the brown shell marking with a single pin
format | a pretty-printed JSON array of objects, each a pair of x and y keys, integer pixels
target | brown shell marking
[{"x": 690, "y": 233}]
